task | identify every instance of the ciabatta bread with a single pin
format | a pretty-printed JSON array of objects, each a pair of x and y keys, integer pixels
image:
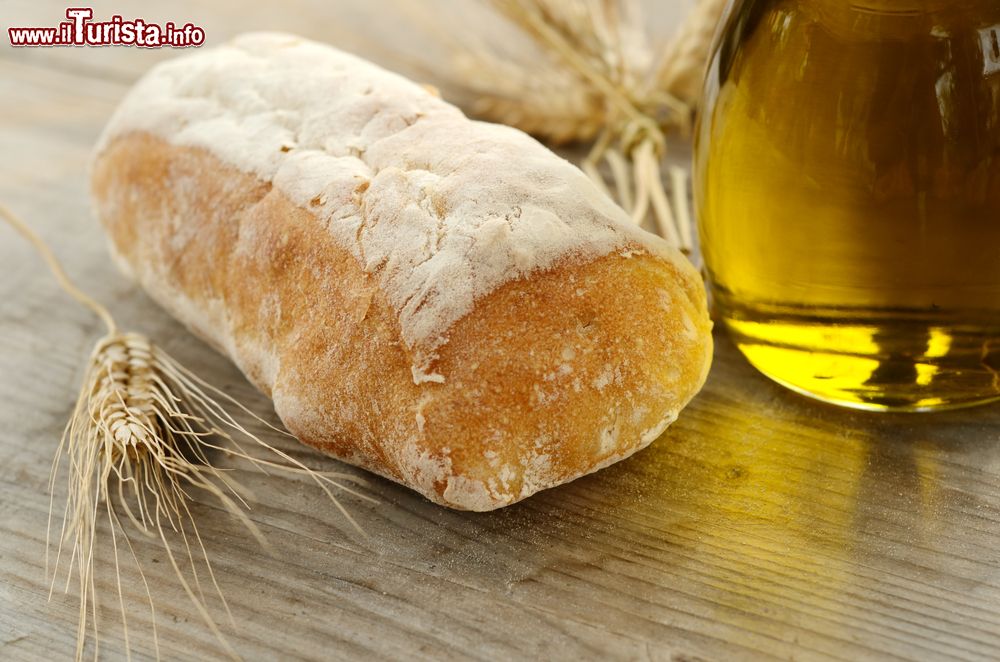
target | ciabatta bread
[{"x": 444, "y": 302}]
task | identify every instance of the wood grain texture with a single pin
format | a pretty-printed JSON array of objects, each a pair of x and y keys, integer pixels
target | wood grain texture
[{"x": 761, "y": 526}]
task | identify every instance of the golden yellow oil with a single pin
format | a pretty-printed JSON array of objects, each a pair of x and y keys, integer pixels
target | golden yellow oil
[{"x": 848, "y": 191}]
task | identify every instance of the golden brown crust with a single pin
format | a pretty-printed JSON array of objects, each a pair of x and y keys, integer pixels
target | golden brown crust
[{"x": 549, "y": 378}]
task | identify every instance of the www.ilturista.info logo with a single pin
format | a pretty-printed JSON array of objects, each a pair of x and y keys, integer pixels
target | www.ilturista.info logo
[{"x": 79, "y": 30}]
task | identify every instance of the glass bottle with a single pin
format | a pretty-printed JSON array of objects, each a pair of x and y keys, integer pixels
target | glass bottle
[{"x": 847, "y": 178}]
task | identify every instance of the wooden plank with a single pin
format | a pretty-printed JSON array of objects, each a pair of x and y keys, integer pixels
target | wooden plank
[{"x": 760, "y": 526}]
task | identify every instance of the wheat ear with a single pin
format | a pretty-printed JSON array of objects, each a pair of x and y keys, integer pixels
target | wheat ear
[
  {"x": 136, "y": 445},
  {"x": 683, "y": 61},
  {"x": 591, "y": 82}
]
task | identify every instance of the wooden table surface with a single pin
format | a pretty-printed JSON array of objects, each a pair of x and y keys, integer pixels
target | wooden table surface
[{"x": 760, "y": 526}]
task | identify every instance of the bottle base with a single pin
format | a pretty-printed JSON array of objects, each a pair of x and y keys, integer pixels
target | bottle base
[{"x": 899, "y": 362}]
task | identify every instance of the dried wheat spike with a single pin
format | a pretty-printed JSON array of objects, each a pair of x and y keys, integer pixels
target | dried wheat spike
[
  {"x": 683, "y": 61},
  {"x": 140, "y": 438},
  {"x": 579, "y": 71},
  {"x": 139, "y": 443},
  {"x": 547, "y": 103}
]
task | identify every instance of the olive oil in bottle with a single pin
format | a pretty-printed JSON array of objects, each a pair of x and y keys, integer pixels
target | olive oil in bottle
[{"x": 848, "y": 190}]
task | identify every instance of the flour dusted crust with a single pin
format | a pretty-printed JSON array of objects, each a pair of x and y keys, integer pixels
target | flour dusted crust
[{"x": 444, "y": 302}]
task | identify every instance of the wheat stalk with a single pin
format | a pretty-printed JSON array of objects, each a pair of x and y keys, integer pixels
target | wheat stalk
[{"x": 136, "y": 446}]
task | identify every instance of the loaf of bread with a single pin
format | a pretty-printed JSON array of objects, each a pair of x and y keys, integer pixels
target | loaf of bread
[{"x": 441, "y": 301}]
